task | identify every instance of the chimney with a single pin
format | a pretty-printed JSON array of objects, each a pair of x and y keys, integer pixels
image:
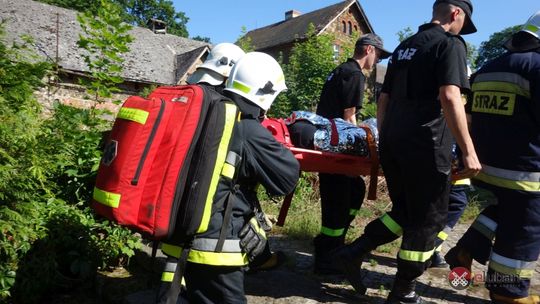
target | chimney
[
  {"x": 157, "y": 26},
  {"x": 292, "y": 14}
]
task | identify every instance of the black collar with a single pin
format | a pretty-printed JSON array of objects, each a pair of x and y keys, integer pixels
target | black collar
[{"x": 248, "y": 109}]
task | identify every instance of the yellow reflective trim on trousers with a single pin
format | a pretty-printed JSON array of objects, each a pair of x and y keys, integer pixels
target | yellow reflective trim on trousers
[
  {"x": 332, "y": 232},
  {"x": 391, "y": 224},
  {"x": 230, "y": 119},
  {"x": 241, "y": 87},
  {"x": 500, "y": 86},
  {"x": 509, "y": 184},
  {"x": 218, "y": 258},
  {"x": 459, "y": 182},
  {"x": 106, "y": 198},
  {"x": 228, "y": 170},
  {"x": 167, "y": 276},
  {"x": 415, "y": 256},
  {"x": 522, "y": 273},
  {"x": 133, "y": 114},
  {"x": 442, "y": 235}
]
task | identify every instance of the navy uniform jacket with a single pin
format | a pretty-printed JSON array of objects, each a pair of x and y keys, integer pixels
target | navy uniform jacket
[
  {"x": 505, "y": 110},
  {"x": 265, "y": 162}
]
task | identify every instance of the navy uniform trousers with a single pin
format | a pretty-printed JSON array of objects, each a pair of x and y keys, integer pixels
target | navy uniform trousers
[{"x": 512, "y": 255}]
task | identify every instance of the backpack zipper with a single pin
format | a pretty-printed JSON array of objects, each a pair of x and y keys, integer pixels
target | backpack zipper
[{"x": 140, "y": 166}]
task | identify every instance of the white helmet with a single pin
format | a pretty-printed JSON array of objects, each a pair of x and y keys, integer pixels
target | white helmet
[
  {"x": 532, "y": 26},
  {"x": 257, "y": 77},
  {"x": 218, "y": 64}
]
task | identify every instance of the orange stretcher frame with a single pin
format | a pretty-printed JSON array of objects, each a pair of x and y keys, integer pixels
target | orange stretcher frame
[{"x": 327, "y": 162}]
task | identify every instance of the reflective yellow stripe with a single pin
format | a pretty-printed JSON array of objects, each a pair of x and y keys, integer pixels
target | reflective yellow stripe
[
  {"x": 106, "y": 198},
  {"x": 206, "y": 257},
  {"x": 228, "y": 170},
  {"x": 218, "y": 258},
  {"x": 332, "y": 232},
  {"x": 465, "y": 181},
  {"x": 171, "y": 250},
  {"x": 439, "y": 248},
  {"x": 391, "y": 224},
  {"x": 522, "y": 273},
  {"x": 504, "y": 77},
  {"x": 509, "y": 184},
  {"x": 230, "y": 119},
  {"x": 524, "y": 269},
  {"x": 258, "y": 228},
  {"x": 532, "y": 28},
  {"x": 442, "y": 235},
  {"x": 241, "y": 87},
  {"x": 353, "y": 212},
  {"x": 167, "y": 276},
  {"x": 415, "y": 256},
  {"x": 133, "y": 114},
  {"x": 500, "y": 86}
]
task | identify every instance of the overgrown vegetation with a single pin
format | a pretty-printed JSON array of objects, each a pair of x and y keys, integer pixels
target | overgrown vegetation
[
  {"x": 49, "y": 239},
  {"x": 105, "y": 39},
  {"x": 310, "y": 62}
]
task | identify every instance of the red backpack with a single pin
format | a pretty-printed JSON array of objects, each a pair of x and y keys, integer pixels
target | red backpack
[{"x": 153, "y": 155}]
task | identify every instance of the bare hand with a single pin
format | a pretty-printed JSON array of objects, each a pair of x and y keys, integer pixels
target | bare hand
[{"x": 471, "y": 165}]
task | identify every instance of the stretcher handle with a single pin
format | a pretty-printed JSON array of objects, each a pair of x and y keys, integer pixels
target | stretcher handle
[
  {"x": 374, "y": 156},
  {"x": 285, "y": 208}
]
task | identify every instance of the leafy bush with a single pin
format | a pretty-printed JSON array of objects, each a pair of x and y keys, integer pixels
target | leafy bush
[{"x": 48, "y": 238}]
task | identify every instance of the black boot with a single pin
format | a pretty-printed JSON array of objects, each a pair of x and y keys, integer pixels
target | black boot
[
  {"x": 458, "y": 257},
  {"x": 403, "y": 293},
  {"x": 324, "y": 245},
  {"x": 349, "y": 260},
  {"x": 437, "y": 261}
]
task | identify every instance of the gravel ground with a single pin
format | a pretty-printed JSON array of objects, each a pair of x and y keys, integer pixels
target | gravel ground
[{"x": 295, "y": 282}]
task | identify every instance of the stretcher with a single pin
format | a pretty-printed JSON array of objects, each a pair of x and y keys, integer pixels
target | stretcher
[{"x": 327, "y": 162}]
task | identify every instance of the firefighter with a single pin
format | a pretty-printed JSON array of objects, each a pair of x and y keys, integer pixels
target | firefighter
[
  {"x": 341, "y": 195},
  {"x": 419, "y": 110},
  {"x": 218, "y": 277},
  {"x": 505, "y": 109},
  {"x": 214, "y": 73}
]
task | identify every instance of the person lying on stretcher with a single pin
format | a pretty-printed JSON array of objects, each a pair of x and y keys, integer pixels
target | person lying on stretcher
[{"x": 311, "y": 131}]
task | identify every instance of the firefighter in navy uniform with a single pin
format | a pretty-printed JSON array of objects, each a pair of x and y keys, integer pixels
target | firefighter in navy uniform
[
  {"x": 218, "y": 277},
  {"x": 505, "y": 110},
  {"x": 341, "y": 195},
  {"x": 419, "y": 110}
]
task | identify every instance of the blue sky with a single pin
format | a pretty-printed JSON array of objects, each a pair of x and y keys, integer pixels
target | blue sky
[{"x": 222, "y": 21}]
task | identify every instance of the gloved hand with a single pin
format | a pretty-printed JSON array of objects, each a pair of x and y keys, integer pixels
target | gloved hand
[{"x": 252, "y": 239}]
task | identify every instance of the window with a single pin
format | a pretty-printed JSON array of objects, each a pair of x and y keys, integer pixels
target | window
[
  {"x": 356, "y": 28},
  {"x": 336, "y": 52},
  {"x": 350, "y": 28},
  {"x": 343, "y": 27}
]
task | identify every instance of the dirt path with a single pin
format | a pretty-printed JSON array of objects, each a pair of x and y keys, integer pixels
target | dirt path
[{"x": 295, "y": 282}]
